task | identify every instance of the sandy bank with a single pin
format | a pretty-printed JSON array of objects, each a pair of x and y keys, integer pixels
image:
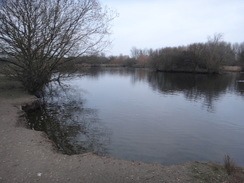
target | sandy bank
[{"x": 28, "y": 156}]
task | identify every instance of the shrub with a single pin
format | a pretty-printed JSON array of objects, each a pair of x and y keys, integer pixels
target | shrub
[{"x": 229, "y": 164}]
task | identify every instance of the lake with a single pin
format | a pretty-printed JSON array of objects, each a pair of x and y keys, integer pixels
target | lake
[{"x": 138, "y": 114}]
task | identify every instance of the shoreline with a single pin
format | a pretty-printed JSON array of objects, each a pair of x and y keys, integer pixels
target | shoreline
[
  {"x": 29, "y": 156},
  {"x": 224, "y": 69}
]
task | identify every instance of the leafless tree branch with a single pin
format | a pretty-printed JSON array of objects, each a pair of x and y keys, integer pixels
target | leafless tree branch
[{"x": 37, "y": 34}]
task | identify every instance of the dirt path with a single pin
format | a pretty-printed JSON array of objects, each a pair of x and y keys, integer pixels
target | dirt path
[{"x": 28, "y": 156}]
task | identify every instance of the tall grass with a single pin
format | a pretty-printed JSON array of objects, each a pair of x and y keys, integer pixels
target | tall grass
[{"x": 229, "y": 164}]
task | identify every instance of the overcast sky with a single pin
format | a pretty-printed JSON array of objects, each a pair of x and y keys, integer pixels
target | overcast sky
[{"x": 160, "y": 23}]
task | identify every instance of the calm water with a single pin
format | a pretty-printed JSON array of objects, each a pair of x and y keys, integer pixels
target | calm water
[{"x": 146, "y": 116}]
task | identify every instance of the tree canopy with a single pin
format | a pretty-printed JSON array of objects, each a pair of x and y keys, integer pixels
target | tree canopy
[{"x": 36, "y": 35}]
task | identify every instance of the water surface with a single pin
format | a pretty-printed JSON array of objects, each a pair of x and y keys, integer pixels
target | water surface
[{"x": 166, "y": 118}]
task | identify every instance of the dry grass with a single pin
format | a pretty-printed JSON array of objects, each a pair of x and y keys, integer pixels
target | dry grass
[
  {"x": 229, "y": 164},
  {"x": 216, "y": 173},
  {"x": 232, "y": 68},
  {"x": 236, "y": 174}
]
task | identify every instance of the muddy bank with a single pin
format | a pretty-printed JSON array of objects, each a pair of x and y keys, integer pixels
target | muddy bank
[{"x": 28, "y": 156}]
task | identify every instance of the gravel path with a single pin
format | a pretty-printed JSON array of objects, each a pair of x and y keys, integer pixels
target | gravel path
[{"x": 28, "y": 156}]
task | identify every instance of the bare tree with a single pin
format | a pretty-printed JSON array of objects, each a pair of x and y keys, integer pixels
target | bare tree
[
  {"x": 241, "y": 54},
  {"x": 37, "y": 35},
  {"x": 217, "y": 53},
  {"x": 135, "y": 53},
  {"x": 238, "y": 49}
]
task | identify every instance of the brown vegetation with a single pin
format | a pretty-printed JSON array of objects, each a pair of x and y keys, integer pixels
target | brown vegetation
[
  {"x": 232, "y": 68},
  {"x": 229, "y": 164}
]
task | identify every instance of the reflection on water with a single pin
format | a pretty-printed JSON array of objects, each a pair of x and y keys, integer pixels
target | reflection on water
[
  {"x": 137, "y": 114},
  {"x": 73, "y": 128},
  {"x": 206, "y": 88},
  {"x": 240, "y": 84}
]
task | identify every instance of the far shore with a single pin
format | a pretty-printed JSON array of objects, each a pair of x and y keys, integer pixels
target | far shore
[{"x": 224, "y": 68}]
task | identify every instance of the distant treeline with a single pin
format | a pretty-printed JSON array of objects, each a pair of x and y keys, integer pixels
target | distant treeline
[
  {"x": 207, "y": 57},
  {"x": 197, "y": 57}
]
